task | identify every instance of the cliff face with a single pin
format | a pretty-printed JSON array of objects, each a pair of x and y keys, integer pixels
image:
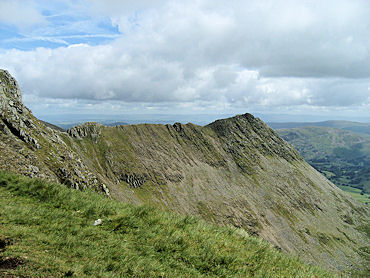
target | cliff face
[
  {"x": 235, "y": 171},
  {"x": 30, "y": 148}
]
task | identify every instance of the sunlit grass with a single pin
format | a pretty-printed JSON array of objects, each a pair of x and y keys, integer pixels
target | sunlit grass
[{"x": 356, "y": 194}]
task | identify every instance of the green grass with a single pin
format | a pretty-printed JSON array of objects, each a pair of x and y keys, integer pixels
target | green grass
[
  {"x": 49, "y": 231},
  {"x": 356, "y": 194},
  {"x": 342, "y": 156}
]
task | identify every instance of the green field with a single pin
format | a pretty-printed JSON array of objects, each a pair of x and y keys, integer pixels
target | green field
[
  {"x": 341, "y": 155},
  {"x": 47, "y": 231},
  {"x": 356, "y": 194}
]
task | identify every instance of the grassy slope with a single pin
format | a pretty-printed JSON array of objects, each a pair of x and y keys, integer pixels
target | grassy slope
[
  {"x": 48, "y": 229},
  {"x": 223, "y": 173},
  {"x": 342, "y": 156}
]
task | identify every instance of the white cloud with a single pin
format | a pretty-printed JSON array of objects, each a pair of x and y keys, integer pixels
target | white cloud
[
  {"x": 22, "y": 14},
  {"x": 209, "y": 54}
]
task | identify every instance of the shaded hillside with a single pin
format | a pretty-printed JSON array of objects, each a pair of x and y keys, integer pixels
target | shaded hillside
[
  {"x": 342, "y": 156},
  {"x": 357, "y": 127},
  {"x": 235, "y": 171},
  {"x": 131, "y": 241},
  {"x": 53, "y": 126}
]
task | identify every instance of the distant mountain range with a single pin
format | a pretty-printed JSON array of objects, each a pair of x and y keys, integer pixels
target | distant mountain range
[{"x": 345, "y": 125}]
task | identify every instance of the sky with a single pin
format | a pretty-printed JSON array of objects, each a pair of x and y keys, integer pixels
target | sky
[{"x": 111, "y": 57}]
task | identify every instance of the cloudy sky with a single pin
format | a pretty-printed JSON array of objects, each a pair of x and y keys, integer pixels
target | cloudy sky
[{"x": 281, "y": 57}]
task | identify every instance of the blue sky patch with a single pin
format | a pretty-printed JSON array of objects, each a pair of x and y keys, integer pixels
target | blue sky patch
[{"x": 62, "y": 27}]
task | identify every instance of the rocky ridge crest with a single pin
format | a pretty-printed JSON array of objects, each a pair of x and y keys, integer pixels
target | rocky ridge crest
[
  {"x": 15, "y": 116},
  {"x": 86, "y": 129},
  {"x": 43, "y": 152}
]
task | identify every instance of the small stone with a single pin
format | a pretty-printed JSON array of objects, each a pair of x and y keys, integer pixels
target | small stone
[
  {"x": 105, "y": 189},
  {"x": 97, "y": 222}
]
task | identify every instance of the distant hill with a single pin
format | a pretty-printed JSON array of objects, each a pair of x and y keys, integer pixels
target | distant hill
[
  {"x": 345, "y": 125},
  {"x": 116, "y": 123},
  {"x": 342, "y": 156},
  {"x": 52, "y": 126},
  {"x": 65, "y": 126}
]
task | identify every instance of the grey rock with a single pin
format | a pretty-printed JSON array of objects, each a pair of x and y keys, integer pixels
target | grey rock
[
  {"x": 92, "y": 130},
  {"x": 105, "y": 189}
]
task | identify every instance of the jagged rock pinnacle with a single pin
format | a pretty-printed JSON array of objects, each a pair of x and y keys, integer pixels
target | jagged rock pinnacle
[
  {"x": 9, "y": 88},
  {"x": 16, "y": 118},
  {"x": 20, "y": 129},
  {"x": 90, "y": 128}
]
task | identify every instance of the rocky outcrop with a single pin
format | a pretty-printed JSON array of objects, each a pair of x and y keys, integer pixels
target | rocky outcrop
[
  {"x": 10, "y": 92},
  {"x": 92, "y": 130},
  {"x": 133, "y": 180},
  {"x": 14, "y": 115},
  {"x": 31, "y": 148}
]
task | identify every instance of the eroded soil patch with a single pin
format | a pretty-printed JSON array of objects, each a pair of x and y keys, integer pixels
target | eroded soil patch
[
  {"x": 8, "y": 263},
  {"x": 4, "y": 242}
]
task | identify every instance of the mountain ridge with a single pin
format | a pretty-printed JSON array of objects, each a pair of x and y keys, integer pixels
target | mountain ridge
[{"x": 234, "y": 171}]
